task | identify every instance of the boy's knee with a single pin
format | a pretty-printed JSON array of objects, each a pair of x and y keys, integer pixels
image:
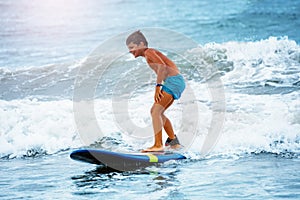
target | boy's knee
[{"x": 155, "y": 111}]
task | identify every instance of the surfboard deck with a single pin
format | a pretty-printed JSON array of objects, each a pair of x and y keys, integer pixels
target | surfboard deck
[{"x": 123, "y": 161}]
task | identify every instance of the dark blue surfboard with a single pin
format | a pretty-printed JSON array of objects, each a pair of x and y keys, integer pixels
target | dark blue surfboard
[{"x": 123, "y": 161}]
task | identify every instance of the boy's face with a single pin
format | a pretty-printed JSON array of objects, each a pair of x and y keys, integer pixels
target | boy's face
[{"x": 136, "y": 50}]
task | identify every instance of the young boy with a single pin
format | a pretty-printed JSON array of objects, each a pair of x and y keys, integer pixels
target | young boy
[{"x": 169, "y": 86}]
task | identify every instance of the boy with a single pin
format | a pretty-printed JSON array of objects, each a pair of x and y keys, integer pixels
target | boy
[{"x": 169, "y": 86}]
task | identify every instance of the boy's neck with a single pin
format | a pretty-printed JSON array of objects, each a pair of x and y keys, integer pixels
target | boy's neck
[{"x": 144, "y": 50}]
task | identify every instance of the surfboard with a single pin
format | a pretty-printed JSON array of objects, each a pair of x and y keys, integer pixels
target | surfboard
[{"x": 123, "y": 161}]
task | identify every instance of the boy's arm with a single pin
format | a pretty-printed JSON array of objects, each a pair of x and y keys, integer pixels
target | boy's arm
[
  {"x": 161, "y": 71},
  {"x": 161, "y": 75}
]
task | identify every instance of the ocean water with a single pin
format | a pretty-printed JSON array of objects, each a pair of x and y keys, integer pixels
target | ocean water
[{"x": 252, "y": 47}]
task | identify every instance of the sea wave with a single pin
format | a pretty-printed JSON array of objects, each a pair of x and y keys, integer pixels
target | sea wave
[
  {"x": 253, "y": 124},
  {"x": 273, "y": 62},
  {"x": 261, "y": 81}
]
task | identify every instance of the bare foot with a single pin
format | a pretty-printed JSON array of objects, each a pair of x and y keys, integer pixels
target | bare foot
[{"x": 153, "y": 149}]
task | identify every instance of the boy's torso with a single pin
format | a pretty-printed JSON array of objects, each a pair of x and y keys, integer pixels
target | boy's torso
[{"x": 171, "y": 67}]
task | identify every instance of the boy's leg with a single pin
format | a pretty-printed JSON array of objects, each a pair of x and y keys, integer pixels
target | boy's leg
[
  {"x": 157, "y": 111},
  {"x": 169, "y": 130},
  {"x": 168, "y": 127},
  {"x": 167, "y": 123}
]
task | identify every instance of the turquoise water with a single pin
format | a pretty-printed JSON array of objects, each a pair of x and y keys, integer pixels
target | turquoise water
[
  {"x": 253, "y": 46},
  {"x": 263, "y": 176}
]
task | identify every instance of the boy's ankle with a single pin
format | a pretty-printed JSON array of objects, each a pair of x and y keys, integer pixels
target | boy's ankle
[{"x": 172, "y": 142}]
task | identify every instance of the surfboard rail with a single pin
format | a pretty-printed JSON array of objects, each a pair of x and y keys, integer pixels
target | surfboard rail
[{"x": 123, "y": 161}]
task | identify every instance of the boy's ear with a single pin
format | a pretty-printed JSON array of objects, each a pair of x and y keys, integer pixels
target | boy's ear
[{"x": 142, "y": 43}]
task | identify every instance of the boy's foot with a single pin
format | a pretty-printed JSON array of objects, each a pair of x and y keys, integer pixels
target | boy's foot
[
  {"x": 153, "y": 149},
  {"x": 173, "y": 143}
]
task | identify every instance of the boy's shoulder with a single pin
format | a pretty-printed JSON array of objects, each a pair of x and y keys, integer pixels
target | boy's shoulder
[{"x": 151, "y": 51}]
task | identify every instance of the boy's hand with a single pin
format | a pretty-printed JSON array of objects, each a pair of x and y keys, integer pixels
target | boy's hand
[{"x": 158, "y": 94}]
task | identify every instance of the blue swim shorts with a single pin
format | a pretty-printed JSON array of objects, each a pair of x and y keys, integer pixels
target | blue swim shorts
[{"x": 174, "y": 85}]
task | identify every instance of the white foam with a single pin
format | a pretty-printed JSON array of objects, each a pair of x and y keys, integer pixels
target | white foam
[
  {"x": 262, "y": 61},
  {"x": 31, "y": 125},
  {"x": 254, "y": 123},
  {"x": 261, "y": 123}
]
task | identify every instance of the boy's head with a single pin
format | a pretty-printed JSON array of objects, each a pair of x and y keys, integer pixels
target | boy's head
[
  {"x": 136, "y": 38},
  {"x": 137, "y": 43}
]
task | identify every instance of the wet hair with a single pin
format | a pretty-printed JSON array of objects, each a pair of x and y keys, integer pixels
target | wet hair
[{"x": 136, "y": 38}]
